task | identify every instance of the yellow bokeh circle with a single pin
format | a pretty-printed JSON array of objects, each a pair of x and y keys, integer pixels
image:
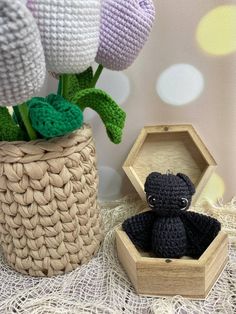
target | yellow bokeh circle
[
  {"x": 216, "y": 32},
  {"x": 214, "y": 189}
]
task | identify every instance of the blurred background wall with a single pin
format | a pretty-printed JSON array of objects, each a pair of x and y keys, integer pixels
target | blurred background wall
[{"x": 185, "y": 74}]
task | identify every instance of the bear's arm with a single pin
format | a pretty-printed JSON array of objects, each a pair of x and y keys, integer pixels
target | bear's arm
[{"x": 139, "y": 229}]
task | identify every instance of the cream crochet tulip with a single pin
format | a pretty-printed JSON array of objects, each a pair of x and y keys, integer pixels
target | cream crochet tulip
[
  {"x": 22, "y": 63},
  {"x": 69, "y": 31}
]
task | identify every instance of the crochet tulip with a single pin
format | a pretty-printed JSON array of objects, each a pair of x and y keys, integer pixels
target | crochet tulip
[
  {"x": 22, "y": 63},
  {"x": 125, "y": 27},
  {"x": 69, "y": 31}
]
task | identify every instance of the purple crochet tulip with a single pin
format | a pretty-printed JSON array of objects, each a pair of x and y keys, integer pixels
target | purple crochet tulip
[{"x": 125, "y": 27}]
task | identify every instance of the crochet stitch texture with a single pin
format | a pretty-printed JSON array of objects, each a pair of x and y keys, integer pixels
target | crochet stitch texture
[
  {"x": 9, "y": 131},
  {"x": 168, "y": 229},
  {"x": 111, "y": 114},
  {"x": 22, "y": 63},
  {"x": 54, "y": 116},
  {"x": 50, "y": 221},
  {"x": 125, "y": 27},
  {"x": 69, "y": 31}
]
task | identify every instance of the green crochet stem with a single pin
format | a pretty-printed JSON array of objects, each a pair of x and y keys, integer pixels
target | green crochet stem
[
  {"x": 70, "y": 84},
  {"x": 65, "y": 83},
  {"x": 59, "y": 88},
  {"x": 9, "y": 131},
  {"x": 83, "y": 80},
  {"x": 111, "y": 114},
  {"x": 80, "y": 90},
  {"x": 97, "y": 75},
  {"x": 24, "y": 114},
  {"x": 17, "y": 117}
]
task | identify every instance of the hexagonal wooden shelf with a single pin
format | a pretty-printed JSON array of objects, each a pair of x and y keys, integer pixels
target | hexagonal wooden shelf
[
  {"x": 168, "y": 277},
  {"x": 177, "y": 148}
]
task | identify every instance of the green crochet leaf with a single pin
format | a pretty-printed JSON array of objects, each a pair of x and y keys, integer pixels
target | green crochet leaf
[
  {"x": 9, "y": 131},
  {"x": 54, "y": 116},
  {"x": 111, "y": 114},
  {"x": 76, "y": 82}
]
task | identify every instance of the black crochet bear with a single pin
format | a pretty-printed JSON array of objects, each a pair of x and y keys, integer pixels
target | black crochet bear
[{"x": 169, "y": 230}]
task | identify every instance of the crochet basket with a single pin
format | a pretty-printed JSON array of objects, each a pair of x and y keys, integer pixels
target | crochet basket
[{"x": 49, "y": 217}]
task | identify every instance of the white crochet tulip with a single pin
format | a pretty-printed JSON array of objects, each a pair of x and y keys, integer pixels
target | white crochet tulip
[
  {"x": 22, "y": 63},
  {"x": 69, "y": 31}
]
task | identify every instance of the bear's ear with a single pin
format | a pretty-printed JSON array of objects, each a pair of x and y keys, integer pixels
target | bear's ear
[
  {"x": 151, "y": 180},
  {"x": 189, "y": 183}
]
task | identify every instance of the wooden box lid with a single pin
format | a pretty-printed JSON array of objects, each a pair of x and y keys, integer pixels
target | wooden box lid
[{"x": 175, "y": 148}]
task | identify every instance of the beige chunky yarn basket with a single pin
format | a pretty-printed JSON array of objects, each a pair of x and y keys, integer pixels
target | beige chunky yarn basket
[{"x": 49, "y": 217}]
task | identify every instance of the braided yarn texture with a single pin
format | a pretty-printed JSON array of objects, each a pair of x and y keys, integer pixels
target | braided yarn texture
[
  {"x": 102, "y": 286},
  {"x": 49, "y": 217},
  {"x": 125, "y": 27},
  {"x": 22, "y": 63},
  {"x": 69, "y": 31}
]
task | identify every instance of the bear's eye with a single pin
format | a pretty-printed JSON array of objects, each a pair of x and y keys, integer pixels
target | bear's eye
[
  {"x": 184, "y": 203},
  {"x": 152, "y": 201}
]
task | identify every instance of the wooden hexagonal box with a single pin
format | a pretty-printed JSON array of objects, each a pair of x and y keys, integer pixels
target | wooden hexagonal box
[
  {"x": 168, "y": 277},
  {"x": 177, "y": 148}
]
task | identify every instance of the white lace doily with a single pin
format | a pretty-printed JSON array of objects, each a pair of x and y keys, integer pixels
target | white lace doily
[{"x": 103, "y": 287}]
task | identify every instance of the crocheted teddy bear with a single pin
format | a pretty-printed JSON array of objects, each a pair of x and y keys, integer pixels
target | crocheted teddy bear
[{"x": 169, "y": 230}]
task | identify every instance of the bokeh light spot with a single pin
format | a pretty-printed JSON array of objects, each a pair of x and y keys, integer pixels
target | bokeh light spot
[
  {"x": 180, "y": 84},
  {"x": 214, "y": 189},
  {"x": 216, "y": 32},
  {"x": 89, "y": 115},
  {"x": 116, "y": 84}
]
